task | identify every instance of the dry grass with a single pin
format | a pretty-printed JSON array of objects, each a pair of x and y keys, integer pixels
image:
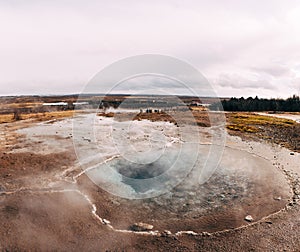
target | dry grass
[
  {"x": 21, "y": 105},
  {"x": 48, "y": 115},
  {"x": 198, "y": 108},
  {"x": 110, "y": 114},
  {"x": 199, "y": 117},
  {"x": 155, "y": 117},
  {"x": 256, "y": 127},
  {"x": 7, "y": 118},
  {"x": 252, "y": 123},
  {"x": 242, "y": 128}
]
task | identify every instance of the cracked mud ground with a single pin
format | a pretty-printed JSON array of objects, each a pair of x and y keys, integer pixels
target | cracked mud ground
[{"x": 42, "y": 206}]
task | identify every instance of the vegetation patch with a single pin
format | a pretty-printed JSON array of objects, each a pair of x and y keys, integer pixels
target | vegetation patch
[
  {"x": 110, "y": 114},
  {"x": 242, "y": 128},
  {"x": 7, "y": 118},
  {"x": 248, "y": 119},
  {"x": 281, "y": 131}
]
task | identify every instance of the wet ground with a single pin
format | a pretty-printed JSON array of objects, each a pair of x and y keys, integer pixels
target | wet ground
[{"x": 48, "y": 199}]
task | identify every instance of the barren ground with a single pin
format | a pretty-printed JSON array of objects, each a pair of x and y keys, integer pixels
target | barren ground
[{"x": 47, "y": 203}]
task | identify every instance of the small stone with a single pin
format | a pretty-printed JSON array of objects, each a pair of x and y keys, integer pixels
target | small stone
[
  {"x": 2, "y": 188},
  {"x": 106, "y": 222},
  {"x": 292, "y": 153},
  {"x": 166, "y": 233},
  {"x": 190, "y": 233},
  {"x": 277, "y": 198},
  {"x": 249, "y": 218},
  {"x": 140, "y": 226}
]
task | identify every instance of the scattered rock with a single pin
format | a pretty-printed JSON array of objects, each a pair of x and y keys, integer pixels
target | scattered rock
[
  {"x": 292, "y": 153},
  {"x": 249, "y": 218},
  {"x": 140, "y": 226},
  {"x": 277, "y": 198},
  {"x": 106, "y": 222},
  {"x": 189, "y": 233},
  {"x": 2, "y": 188},
  {"x": 166, "y": 233}
]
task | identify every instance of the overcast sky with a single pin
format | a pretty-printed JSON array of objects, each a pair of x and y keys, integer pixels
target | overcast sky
[{"x": 243, "y": 47}]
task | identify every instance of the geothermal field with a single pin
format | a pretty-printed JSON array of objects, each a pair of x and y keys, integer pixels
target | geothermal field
[{"x": 127, "y": 180}]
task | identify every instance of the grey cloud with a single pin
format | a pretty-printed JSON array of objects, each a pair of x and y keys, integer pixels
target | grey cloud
[
  {"x": 274, "y": 70},
  {"x": 69, "y": 41},
  {"x": 239, "y": 82}
]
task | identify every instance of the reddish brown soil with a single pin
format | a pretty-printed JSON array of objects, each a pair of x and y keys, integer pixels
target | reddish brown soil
[
  {"x": 42, "y": 221},
  {"x": 37, "y": 221}
]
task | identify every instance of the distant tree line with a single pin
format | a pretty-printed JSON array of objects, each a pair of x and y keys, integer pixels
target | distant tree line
[{"x": 291, "y": 104}]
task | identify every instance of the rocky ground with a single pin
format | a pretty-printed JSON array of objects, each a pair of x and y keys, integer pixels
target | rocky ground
[
  {"x": 48, "y": 203},
  {"x": 282, "y": 130}
]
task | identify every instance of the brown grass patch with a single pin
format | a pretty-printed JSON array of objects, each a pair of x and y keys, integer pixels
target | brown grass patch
[
  {"x": 281, "y": 131},
  {"x": 48, "y": 115},
  {"x": 110, "y": 114},
  {"x": 199, "y": 117},
  {"x": 253, "y": 123},
  {"x": 7, "y": 118}
]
